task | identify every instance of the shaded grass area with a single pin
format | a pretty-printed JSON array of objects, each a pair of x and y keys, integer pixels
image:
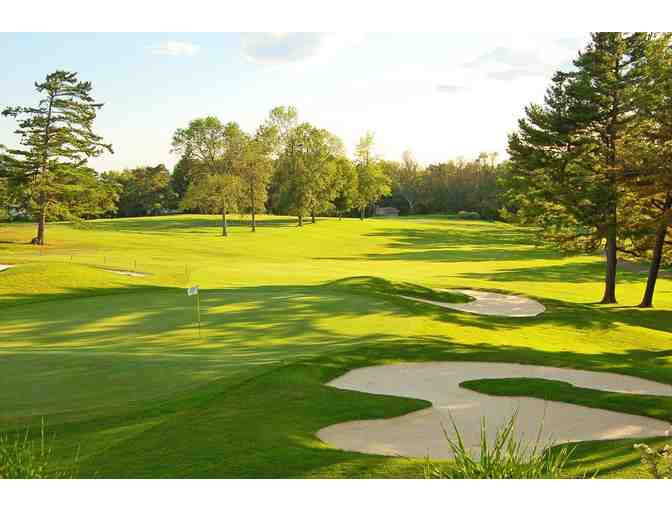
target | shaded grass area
[{"x": 380, "y": 287}]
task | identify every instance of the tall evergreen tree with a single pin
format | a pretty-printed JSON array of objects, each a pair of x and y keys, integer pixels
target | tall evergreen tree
[
  {"x": 58, "y": 139},
  {"x": 648, "y": 170},
  {"x": 566, "y": 155}
]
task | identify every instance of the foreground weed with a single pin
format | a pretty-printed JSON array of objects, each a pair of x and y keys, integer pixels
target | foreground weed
[
  {"x": 23, "y": 457},
  {"x": 658, "y": 462},
  {"x": 507, "y": 457}
]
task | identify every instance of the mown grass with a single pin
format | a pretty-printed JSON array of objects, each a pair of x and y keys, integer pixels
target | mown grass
[
  {"x": 116, "y": 365},
  {"x": 653, "y": 406}
]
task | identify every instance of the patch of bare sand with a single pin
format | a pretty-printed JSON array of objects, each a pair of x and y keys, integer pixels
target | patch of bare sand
[
  {"x": 421, "y": 433},
  {"x": 490, "y": 303},
  {"x": 126, "y": 273}
]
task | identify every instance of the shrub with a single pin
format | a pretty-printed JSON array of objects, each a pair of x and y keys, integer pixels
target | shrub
[
  {"x": 22, "y": 457},
  {"x": 657, "y": 462},
  {"x": 506, "y": 458},
  {"x": 468, "y": 215}
]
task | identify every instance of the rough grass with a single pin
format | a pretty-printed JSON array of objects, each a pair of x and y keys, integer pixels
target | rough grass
[{"x": 116, "y": 365}]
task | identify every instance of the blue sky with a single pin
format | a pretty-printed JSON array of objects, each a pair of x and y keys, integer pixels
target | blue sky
[{"x": 440, "y": 95}]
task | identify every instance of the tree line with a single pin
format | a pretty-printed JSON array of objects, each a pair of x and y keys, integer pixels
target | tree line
[
  {"x": 592, "y": 165},
  {"x": 449, "y": 187},
  {"x": 284, "y": 167}
]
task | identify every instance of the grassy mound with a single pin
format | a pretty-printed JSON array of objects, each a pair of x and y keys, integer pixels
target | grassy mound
[
  {"x": 653, "y": 406},
  {"x": 384, "y": 288}
]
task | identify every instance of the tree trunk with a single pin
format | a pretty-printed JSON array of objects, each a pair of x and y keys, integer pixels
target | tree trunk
[
  {"x": 312, "y": 214},
  {"x": 361, "y": 213},
  {"x": 41, "y": 222},
  {"x": 340, "y": 215},
  {"x": 225, "y": 231},
  {"x": 254, "y": 210},
  {"x": 610, "y": 276},
  {"x": 654, "y": 268},
  {"x": 300, "y": 220}
]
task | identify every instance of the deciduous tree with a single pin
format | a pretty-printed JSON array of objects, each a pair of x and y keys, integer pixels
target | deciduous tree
[
  {"x": 215, "y": 194},
  {"x": 372, "y": 183},
  {"x": 203, "y": 140},
  {"x": 256, "y": 168}
]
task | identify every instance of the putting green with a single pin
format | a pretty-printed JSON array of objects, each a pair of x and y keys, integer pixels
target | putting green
[{"x": 116, "y": 365}]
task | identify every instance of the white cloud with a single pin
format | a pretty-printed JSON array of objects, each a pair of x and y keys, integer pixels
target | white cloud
[
  {"x": 281, "y": 48},
  {"x": 174, "y": 49},
  {"x": 572, "y": 43},
  {"x": 507, "y": 56},
  {"x": 509, "y": 64},
  {"x": 446, "y": 88}
]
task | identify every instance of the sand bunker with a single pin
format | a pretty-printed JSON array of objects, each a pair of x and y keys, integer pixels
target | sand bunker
[
  {"x": 126, "y": 273},
  {"x": 420, "y": 433},
  {"x": 490, "y": 303},
  {"x": 5, "y": 266}
]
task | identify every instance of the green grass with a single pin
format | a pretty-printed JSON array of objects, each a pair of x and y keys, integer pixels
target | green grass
[
  {"x": 116, "y": 365},
  {"x": 653, "y": 406}
]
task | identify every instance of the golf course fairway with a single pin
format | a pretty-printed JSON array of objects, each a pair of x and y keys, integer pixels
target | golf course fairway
[{"x": 115, "y": 366}]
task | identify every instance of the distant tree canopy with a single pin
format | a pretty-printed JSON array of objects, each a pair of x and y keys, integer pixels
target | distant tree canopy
[
  {"x": 219, "y": 193},
  {"x": 143, "y": 191},
  {"x": 456, "y": 186}
]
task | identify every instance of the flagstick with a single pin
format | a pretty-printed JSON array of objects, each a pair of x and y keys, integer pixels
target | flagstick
[{"x": 198, "y": 311}]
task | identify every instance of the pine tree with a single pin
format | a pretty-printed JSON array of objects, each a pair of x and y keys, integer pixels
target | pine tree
[
  {"x": 648, "y": 169},
  {"x": 566, "y": 155},
  {"x": 58, "y": 139}
]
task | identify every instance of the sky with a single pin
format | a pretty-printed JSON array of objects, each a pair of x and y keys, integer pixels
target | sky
[{"x": 440, "y": 95}]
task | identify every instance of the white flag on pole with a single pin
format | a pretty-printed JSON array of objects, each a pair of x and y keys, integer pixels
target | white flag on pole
[{"x": 192, "y": 291}]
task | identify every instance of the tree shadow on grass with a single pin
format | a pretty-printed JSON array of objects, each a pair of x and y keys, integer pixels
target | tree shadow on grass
[
  {"x": 267, "y": 317},
  {"x": 575, "y": 272},
  {"x": 457, "y": 245},
  {"x": 191, "y": 223}
]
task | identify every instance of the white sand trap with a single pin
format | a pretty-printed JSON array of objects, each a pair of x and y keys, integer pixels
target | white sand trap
[
  {"x": 5, "y": 266},
  {"x": 126, "y": 273},
  {"x": 490, "y": 303},
  {"x": 420, "y": 433}
]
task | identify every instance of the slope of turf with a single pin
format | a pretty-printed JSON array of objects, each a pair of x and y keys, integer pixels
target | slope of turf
[
  {"x": 116, "y": 365},
  {"x": 653, "y": 406}
]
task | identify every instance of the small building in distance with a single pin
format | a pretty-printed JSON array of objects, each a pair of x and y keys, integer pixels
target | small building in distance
[{"x": 386, "y": 211}]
